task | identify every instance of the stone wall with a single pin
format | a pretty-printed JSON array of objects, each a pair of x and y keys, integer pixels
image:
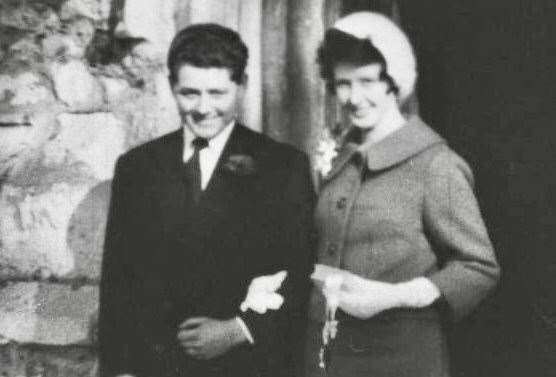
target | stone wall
[{"x": 81, "y": 81}]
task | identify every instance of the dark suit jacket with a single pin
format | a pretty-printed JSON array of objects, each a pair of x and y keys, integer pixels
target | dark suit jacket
[{"x": 167, "y": 259}]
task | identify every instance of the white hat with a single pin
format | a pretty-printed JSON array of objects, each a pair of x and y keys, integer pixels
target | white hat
[{"x": 392, "y": 43}]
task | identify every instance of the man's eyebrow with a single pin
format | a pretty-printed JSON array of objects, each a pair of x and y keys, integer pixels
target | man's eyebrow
[
  {"x": 218, "y": 90},
  {"x": 186, "y": 89}
]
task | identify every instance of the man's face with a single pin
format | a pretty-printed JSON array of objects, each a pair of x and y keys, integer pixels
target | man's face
[
  {"x": 207, "y": 99},
  {"x": 364, "y": 97}
]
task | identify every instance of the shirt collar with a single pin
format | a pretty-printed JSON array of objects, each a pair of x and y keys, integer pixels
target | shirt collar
[
  {"x": 414, "y": 137},
  {"x": 215, "y": 144}
]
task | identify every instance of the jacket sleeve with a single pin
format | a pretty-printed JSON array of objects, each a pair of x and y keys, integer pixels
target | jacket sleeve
[
  {"x": 115, "y": 317},
  {"x": 277, "y": 334},
  {"x": 468, "y": 267}
]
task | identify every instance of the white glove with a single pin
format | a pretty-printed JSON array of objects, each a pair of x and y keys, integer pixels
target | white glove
[{"x": 261, "y": 294}]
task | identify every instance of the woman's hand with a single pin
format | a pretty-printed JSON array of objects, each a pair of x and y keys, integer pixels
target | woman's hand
[{"x": 365, "y": 298}]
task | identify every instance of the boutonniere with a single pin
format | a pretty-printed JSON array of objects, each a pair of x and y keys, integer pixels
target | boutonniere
[
  {"x": 325, "y": 152},
  {"x": 240, "y": 164}
]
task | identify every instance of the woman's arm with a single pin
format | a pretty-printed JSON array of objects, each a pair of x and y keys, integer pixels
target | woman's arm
[
  {"x": 364, "y": 298},
  {"x": 453, "y": 222},
  {"x": 468, "y": 269}
]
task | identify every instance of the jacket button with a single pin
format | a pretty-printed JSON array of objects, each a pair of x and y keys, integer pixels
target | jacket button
[
  {"x": 341, "y": 203},
  {"x": 332, "y": 249}
]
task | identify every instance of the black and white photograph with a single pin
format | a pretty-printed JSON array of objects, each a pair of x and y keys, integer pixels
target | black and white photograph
[{"x": 277, "y": 188}]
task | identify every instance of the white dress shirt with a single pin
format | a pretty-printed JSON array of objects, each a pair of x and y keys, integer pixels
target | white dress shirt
[
  {"x": 208, "y": 159},
  {"x": 209, "y": 156}
]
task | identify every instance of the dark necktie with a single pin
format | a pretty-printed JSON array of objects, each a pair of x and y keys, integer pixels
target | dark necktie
[{"x": 193, "y": 168}]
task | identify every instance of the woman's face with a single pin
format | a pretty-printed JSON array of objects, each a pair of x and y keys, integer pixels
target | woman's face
[{"x": 365, "y": 98}]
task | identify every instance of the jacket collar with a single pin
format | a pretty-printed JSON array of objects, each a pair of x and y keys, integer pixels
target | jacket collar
[{"x": 414, "y": 137}]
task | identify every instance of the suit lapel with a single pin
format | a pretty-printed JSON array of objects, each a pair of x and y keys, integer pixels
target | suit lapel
[
  {"x": 168, "y": 159},
  {"x": 227, "y": 191},
  {"x": 170, "y": 186}
]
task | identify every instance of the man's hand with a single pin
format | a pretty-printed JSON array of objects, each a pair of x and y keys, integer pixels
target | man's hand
[{"x": 206, "y": 338}]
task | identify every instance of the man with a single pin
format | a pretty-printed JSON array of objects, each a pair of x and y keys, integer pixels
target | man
[{"x": 195, "y": 216}]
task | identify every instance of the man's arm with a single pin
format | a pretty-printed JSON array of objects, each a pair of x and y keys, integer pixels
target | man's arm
[
  {"x": 291, "y": 249},
  {"x": 294, "y": 247},
  {"x": 115, "y": 297}
]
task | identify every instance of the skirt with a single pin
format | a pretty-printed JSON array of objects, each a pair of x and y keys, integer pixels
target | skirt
[{"x": 398, "y": 343}]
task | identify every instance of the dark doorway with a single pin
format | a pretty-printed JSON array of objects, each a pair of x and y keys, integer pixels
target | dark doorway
[{"x": 487, "y": 78}]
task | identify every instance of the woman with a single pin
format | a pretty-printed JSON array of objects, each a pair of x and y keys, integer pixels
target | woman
[{"x": 396, "y": 214}]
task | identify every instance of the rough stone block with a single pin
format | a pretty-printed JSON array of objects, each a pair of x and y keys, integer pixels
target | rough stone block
[
  {"x": 38, "y": 231},
  {"x": 27, "y": 88},
  {"x": 149, "y": 20},
  {"x": 14, "y": 140},
  {"x": 73, "y": 43},
  {"x": 47, "y": 361},
  {"x": 85, "y": 237},
  {"x": 82, "y": 31},
  {"x": 24, "y": 131},
  {"x": 152, "y": 113},
  {"x": 92, "y": 140},
  {"x": 24, "y": 53},
  {"x": 53, "y": 314},
  {"x": 58, "y": 46},
  {"x": 53, "y": 223},
  {"x": 165, "y": 103},
  {"x": 12, "y": 119},
  {"x": 114, "y": 89},
  {"x": 76, "y": 86},
  {"x": 97, "y": 10},
  {"x": 23, "y": 15}
]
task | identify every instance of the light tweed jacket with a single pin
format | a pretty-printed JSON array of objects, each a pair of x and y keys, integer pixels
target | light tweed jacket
[{"x": 404, "y": 210}]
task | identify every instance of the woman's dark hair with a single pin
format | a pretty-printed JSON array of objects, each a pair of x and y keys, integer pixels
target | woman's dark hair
[
  {"x": 208, "y": 46},
  {"x": 339, "y": 47}
]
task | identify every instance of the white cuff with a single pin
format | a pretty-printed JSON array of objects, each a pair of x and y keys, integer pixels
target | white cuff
[{"x": 245, "y": 330}]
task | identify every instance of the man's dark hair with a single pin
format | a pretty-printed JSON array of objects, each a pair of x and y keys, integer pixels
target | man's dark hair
[
  {"x": 339, "y": 47},
  {"x": 208, "y": 46}
]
